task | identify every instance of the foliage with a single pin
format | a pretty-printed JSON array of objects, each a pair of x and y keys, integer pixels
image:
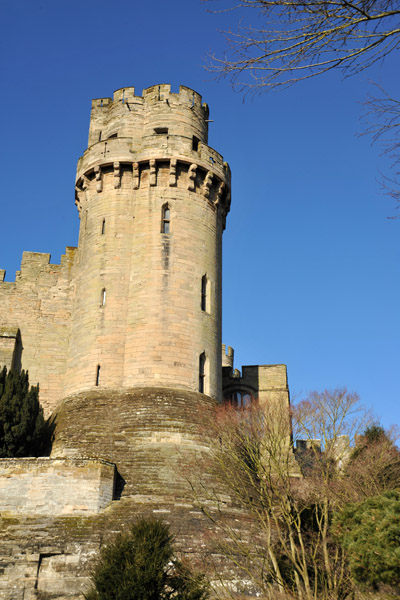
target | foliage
[
  {"x": 22, "y": 425},
  {"x": 370, "y": 533},
  {"x": 292, "y": 552},
  {"x": 374, "y": 464},
  {"x": 142, "y": 565},
  {"x": 288, "y": 548},
  {"x": 298, "y": 39}
]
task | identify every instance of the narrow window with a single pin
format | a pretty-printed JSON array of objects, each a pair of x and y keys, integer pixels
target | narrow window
[
  {"x": 100, "y": 136},
  {"x": 195, "y": 143},
  {"x": 165, "y": 220},
  {"x": 204, "y": 293},
  {"x": 98, "y": 375},
  {"x": 202, "y": 372},
  {"x": 103, "y": 297},
  {"x": 103, "y": 227}
]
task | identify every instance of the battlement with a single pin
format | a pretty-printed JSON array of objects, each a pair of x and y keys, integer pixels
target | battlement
[
  {"x": 227, "y": 356},
  {"x": 157, "y": 111},
  {"x": 152, "y": 94},
  {"x": 185, "y": 96},
  {"x": 35, "y": 262}
]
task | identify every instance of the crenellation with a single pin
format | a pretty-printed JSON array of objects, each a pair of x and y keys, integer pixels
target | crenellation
[
  {"x": 38, "y": 304},
  {"x": 124, "y": 95}
]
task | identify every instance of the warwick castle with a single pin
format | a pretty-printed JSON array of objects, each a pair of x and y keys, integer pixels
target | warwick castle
[{"x": 124, "y": 338}]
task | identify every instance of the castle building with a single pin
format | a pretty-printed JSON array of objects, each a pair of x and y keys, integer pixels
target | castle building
[{"x": 124, "y": 338}]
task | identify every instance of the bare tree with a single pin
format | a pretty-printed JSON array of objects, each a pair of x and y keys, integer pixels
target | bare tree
[
  {"x": 287, "y": 549},
  {"x": 298, "y": 39}
]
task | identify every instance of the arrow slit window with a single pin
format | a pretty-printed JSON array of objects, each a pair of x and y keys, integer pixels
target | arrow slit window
[{"x": 165, "y": 219}]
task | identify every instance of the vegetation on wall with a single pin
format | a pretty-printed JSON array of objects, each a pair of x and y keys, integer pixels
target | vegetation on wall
[
  {"x": 142, "y": 565},
  {"x": 22, "y": 426}
]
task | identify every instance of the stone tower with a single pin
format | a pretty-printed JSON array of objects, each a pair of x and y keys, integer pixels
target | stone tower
[
  {"x": 153, "y": 199},
  {"x": 124, "y": 337}
]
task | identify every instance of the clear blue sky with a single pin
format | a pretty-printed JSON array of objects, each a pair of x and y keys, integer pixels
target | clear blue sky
[{"x": 311, "y": 261}]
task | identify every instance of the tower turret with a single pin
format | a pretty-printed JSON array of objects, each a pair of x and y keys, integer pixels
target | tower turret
[{"x": 153, "y": 199}]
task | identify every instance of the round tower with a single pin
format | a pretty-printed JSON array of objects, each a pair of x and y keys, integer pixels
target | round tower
[{"x": 153, "y": 199}]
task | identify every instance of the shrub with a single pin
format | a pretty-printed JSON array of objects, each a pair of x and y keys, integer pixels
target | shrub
[
  {"x": 142, "y": 565},
  {"x": 370, "y": 533},
  {"x": 22, "y": 425}
]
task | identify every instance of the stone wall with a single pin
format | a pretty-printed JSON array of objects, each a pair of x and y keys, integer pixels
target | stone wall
[
  {"x": 149, "y": 433},
  {"x": 266, "y": 383},
  {"x": 45, "y": 486},
  {"x": 10, "y": 347},
  {"x": 156, "y": 439},
  {"x": 38, "y": 304}
]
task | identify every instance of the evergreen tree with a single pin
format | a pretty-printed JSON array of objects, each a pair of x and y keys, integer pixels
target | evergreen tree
[
  {"x": 370, "y": 533},
  {"x": 21, "y": 416},
  {"x": 142, "y": 565}
]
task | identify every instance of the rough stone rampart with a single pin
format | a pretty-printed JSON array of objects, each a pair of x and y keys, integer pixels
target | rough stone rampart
[{"x": 149, "y": 433}]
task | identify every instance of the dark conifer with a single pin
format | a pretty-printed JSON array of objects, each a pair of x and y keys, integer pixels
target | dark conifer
[
  {"x": 142, "y": 565},
  {"x": 21, "y": 416}
]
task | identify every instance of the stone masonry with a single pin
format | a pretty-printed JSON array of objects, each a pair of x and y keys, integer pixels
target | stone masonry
[{"x": 124, "y": 338}]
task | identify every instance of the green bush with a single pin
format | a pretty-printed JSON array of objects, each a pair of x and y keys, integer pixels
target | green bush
[
  {"x": 370, "y": 533},
  {"x": 22, "y": 425},
  {"x": 142, "y": 565}
]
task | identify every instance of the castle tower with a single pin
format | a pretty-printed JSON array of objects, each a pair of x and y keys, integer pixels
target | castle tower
[
  {"x": 124, "y": 337},
  {"x": 153, "y": 199}
]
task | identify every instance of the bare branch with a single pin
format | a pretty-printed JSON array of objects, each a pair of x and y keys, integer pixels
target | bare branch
[
  {"x": 382, "y": 122},
  {"x": 299, "y": 39}
]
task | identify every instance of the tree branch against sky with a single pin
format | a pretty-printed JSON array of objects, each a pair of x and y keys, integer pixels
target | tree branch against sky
[
  {"x": 295, "y": 40},
  {"x": 382, "y": 123}
]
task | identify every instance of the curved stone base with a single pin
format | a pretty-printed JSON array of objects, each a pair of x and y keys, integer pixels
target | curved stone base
[
  {"x": 151, "y": 434},
  {"x": 155, "y": 437}
]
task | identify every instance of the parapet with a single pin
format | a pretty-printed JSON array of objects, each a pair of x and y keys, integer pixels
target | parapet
[
  {"x": 34, "y": 263},
  {"x": 227, "y": 356},
  {"x": 177, "y": 122}
]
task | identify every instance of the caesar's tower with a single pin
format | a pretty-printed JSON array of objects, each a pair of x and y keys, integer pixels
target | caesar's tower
[{"x": 153, "y": 199}]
